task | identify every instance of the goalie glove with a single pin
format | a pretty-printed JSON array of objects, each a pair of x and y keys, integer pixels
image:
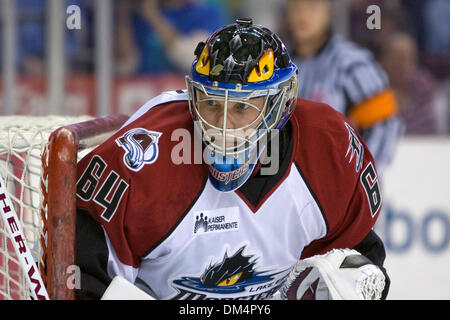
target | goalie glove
[{"x": 340, "y": 274}]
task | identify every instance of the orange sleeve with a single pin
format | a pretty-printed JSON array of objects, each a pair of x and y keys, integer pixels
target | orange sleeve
[{"x": 375, "y": 109}]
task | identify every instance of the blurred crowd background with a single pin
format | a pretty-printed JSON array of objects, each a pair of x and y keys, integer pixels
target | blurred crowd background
[{"x": 152, "y": 42}]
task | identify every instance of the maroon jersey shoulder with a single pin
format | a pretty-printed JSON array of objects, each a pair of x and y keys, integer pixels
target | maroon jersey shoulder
[
  {"x": 340, "y": 173},
  {"x": 136, "y": 186}
]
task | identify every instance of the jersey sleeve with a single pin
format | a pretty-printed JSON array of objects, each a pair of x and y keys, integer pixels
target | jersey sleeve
[
  {"x": 120, "y": 181},
  {"x": 96, "y": 259},
  {"x": 103, "y": 187},
  {"x": 123, "y": 186},
  {"x": 342, "y": 176}
]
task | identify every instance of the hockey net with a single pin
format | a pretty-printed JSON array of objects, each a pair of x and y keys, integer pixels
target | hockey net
[{"x": 38, "y": 157}]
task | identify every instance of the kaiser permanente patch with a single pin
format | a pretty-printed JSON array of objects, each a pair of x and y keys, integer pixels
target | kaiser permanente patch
[{"x": 217, "y": 220}]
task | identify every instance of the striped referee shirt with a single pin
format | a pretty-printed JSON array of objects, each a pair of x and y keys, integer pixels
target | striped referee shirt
[{"x": 348, "y": 78}]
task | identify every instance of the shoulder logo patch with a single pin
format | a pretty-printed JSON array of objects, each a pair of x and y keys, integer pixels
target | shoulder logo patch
[
  {"x": 141, "y": 147},
  {"x": 354, "y": 147}
]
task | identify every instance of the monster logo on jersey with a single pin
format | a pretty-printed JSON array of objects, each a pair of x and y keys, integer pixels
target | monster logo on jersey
[
  {"x": 234, "y": 277},
  {"x": 141, "y": 147}
]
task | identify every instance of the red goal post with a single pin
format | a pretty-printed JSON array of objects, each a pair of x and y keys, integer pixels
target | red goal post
[{"x": 38, "y": 162}]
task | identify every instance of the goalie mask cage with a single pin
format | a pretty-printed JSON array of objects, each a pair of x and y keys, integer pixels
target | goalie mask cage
[{"x": 38, "y": 158}]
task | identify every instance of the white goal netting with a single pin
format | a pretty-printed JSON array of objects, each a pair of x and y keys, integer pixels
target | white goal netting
[{"x": 23, "y": 141}]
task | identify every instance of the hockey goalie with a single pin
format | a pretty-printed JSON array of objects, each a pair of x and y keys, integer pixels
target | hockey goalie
[{"x": 232, "y": 189}]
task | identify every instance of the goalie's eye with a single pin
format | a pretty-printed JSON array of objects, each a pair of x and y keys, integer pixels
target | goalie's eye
[
  {"x": 241, "y": 107},
  {"x": 230, "y": 280},
  {"x": 212, "y": 103}
]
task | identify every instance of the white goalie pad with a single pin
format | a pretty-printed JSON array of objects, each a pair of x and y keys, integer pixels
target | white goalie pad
[
  {"x": 340, "y": 274},
  {"x": 122, "y": 289}
]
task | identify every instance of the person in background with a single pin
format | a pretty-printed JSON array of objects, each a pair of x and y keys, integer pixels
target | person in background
[
  {"x": 421, "y": 104},
  {"x": 32, "y": 38},
  {"x": 431, "y": 30},
  {"x": 159, "y": 36},
  {"x": 342, "y": 74}
]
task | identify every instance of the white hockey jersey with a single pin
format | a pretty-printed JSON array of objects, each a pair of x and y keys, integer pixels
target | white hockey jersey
[{"x": 170, "y": 231}]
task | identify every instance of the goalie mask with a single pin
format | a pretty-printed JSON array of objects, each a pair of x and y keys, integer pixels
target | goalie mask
[{"x": 242, "y": 85}]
